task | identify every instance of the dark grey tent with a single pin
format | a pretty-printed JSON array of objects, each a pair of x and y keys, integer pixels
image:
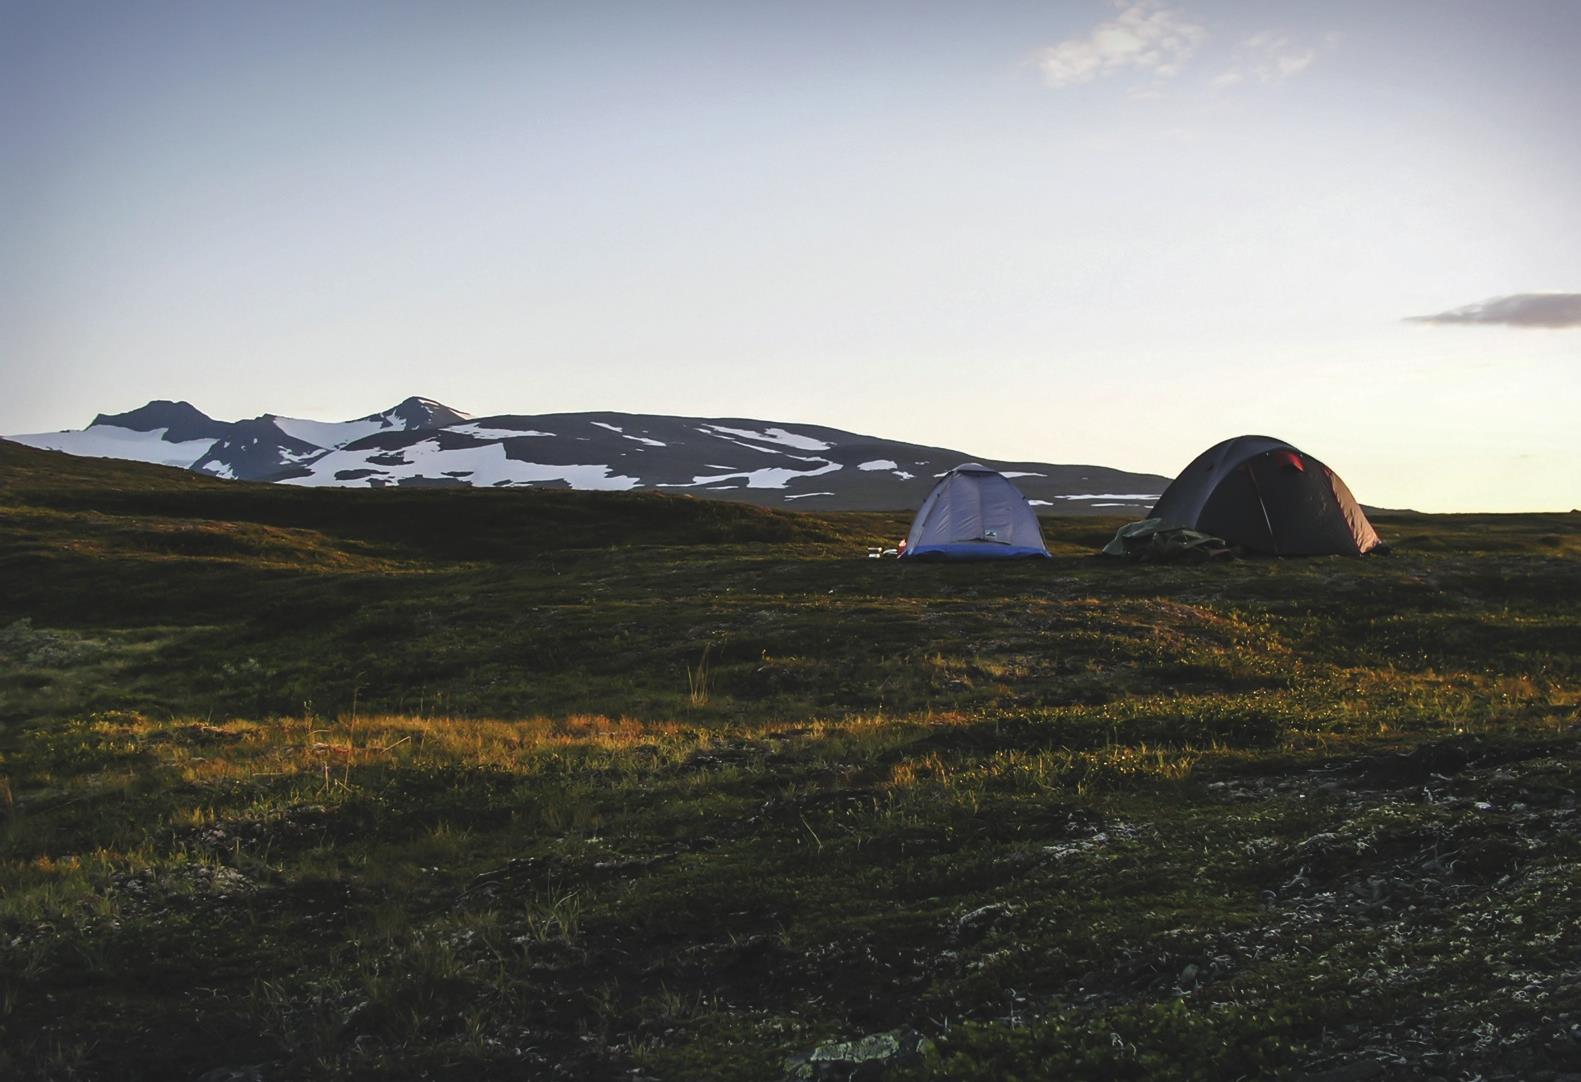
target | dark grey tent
[
  {"x": 1267, "y": 496},
  {"x": 975, "y": 513}
]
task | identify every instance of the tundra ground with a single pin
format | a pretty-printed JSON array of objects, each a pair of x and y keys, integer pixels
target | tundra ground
[{"x": 562, "y": 785}]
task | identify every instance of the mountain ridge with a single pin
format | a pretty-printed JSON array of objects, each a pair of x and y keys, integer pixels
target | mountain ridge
[{"x": 423, "y": 442}]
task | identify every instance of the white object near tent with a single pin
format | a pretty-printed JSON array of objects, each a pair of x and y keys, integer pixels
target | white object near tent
[{"x": 975, "y": 513}]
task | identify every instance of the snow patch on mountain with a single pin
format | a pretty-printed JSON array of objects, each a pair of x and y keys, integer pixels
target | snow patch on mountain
[
  {"x": 111, "y": 441},
  {"x": 1129, "y": 497},
  {"x": 439, "y": 407},
  {"x": 485, "y": 433},
  {"x": 768, "y": 477},
  {"x": 778, "y": 436},
  {"x": 329, "y": 433},
  {"x": 414, "y": 413},
  {"x": 739, "y": 443},
  {"x": 621, "y": 432},
  {"x": 482, "y": 466},
  {"x": 886, "y": 464}
]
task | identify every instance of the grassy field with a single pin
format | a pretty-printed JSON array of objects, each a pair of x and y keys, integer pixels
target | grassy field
[{"x": 535, "y": 784}]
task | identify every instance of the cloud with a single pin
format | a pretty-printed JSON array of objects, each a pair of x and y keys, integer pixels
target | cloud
[
  {"x": 1516, "y": 310},
  {"x": 1268, "y": 57},
  {"x": 1145, "y": 38}
]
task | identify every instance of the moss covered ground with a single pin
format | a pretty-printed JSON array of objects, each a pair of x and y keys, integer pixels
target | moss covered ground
[{"x": 541, "y": 784}]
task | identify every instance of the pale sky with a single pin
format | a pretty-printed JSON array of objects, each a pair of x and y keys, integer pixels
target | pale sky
[{"x": 1070, "y": 231}]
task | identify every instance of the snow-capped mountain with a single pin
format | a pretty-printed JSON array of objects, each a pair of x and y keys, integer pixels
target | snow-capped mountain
[{"x": 422, "y": 442}]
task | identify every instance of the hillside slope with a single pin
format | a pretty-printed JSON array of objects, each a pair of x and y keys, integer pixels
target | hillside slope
[{"x": 422, "y": 443}]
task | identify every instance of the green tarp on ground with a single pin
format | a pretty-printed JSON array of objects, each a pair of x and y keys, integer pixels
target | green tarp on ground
[{"x": 1155, "y": 541}]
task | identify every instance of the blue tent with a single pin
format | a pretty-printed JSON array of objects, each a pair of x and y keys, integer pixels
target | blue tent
[{"x": 975, "y": 513}]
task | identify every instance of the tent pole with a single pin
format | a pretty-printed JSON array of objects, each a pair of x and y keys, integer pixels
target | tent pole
[{"x": 1261, "y": 506}]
